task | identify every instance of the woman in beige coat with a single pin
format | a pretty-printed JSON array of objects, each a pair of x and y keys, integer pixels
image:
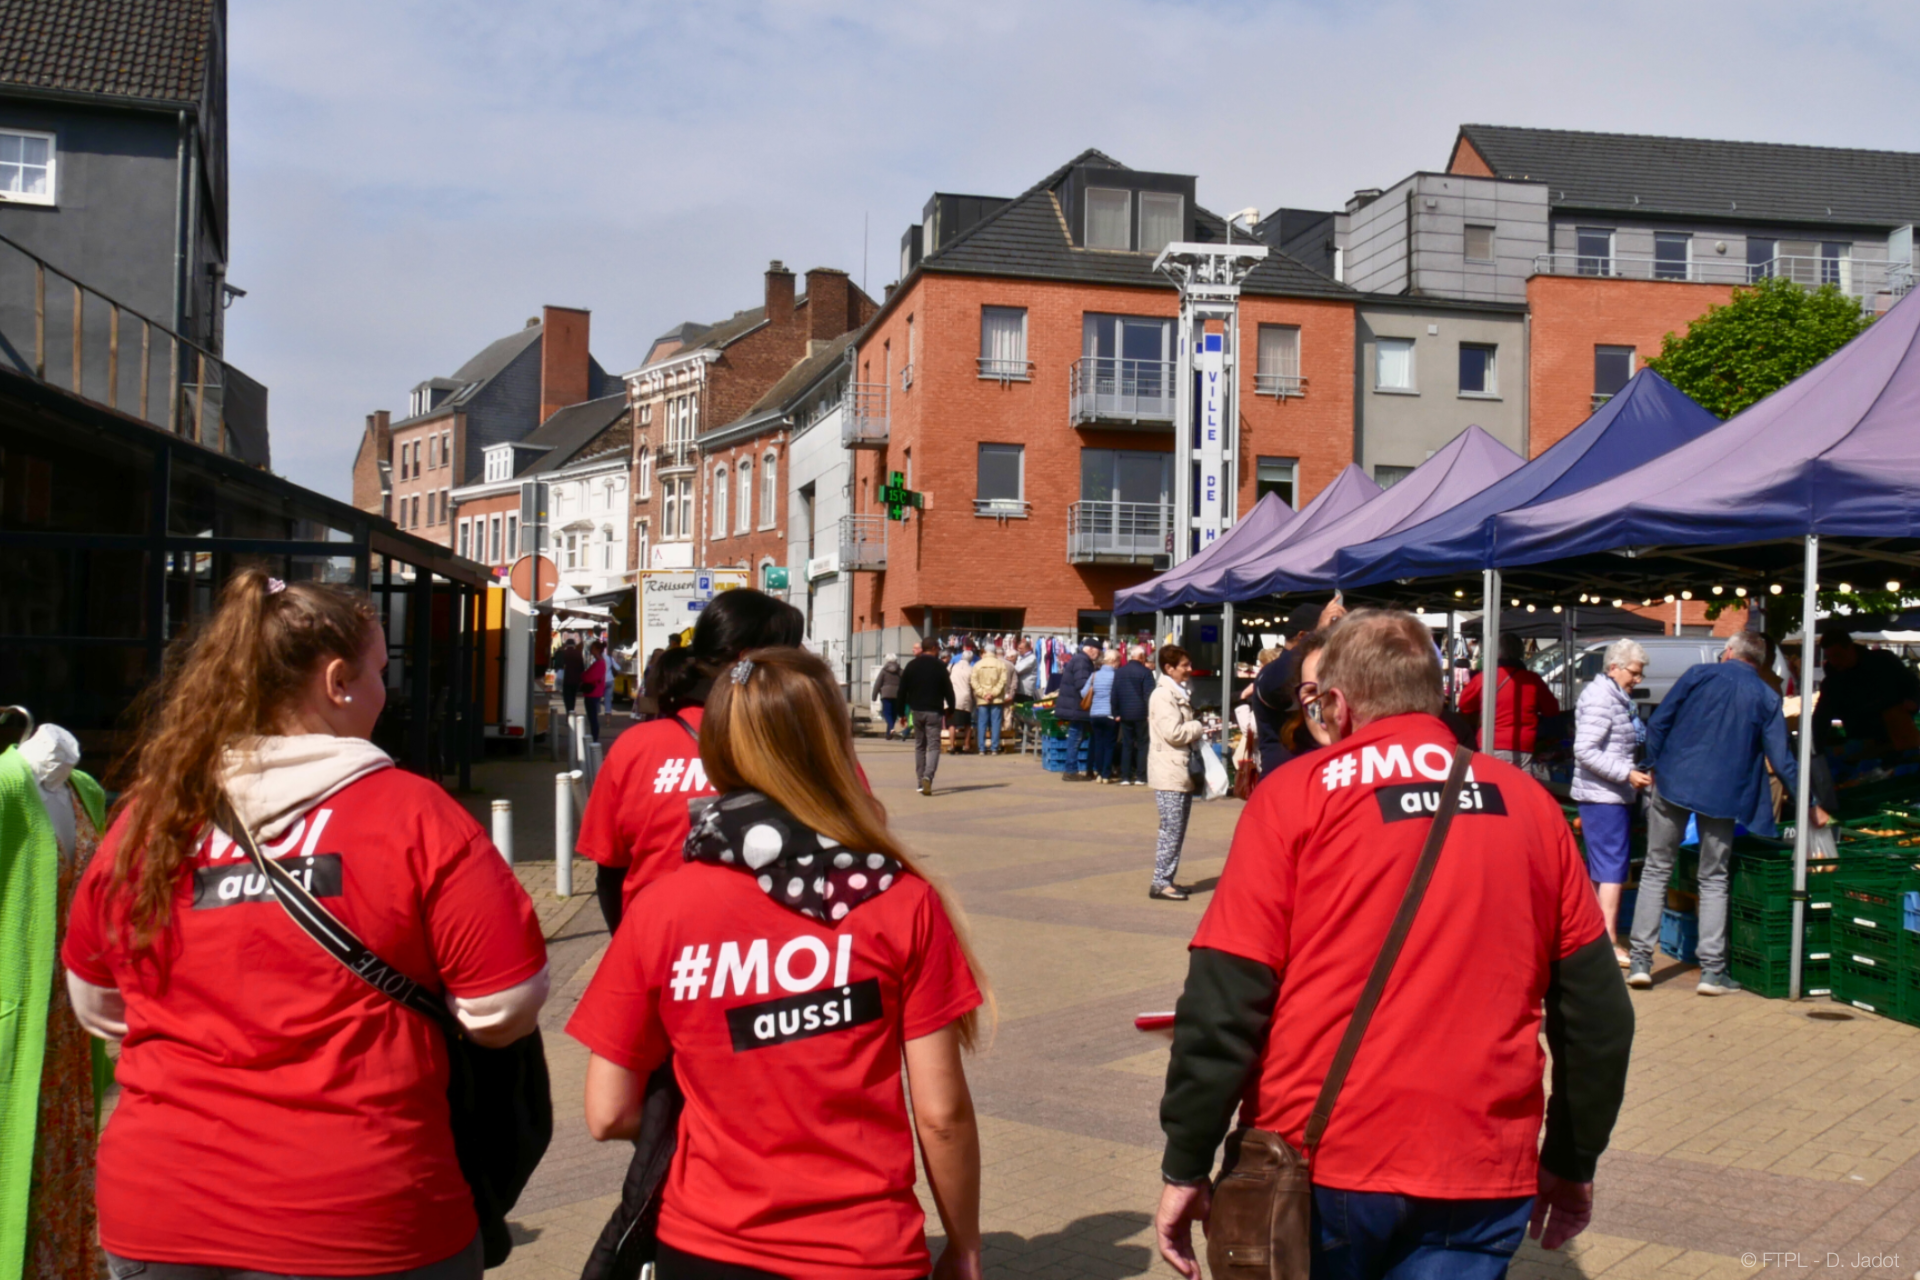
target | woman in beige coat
[{"x": 1173, "y": 731}]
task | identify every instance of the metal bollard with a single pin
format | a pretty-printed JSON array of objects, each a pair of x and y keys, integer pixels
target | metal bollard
[
  {"x": 596, "y": 756},
  {"x": 555, "y": 728},
  {"x": 503, "y": 829},
  {"x": 580, "y": 740},
  {"x": 563, "y": 835}
]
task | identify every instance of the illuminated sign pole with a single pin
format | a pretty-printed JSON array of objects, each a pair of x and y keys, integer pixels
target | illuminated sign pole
[{"x": 1207, "y": 405}]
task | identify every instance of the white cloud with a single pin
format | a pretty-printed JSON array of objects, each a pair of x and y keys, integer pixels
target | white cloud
[{"x": 412, "y": 181}]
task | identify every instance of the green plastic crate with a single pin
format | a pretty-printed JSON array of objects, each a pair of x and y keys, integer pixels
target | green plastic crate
[
  {"x": 1764, "y": 878},
  {"x": 1758, "y": 929},
  {"x": 1865, "y": 943},
  {"x": 1767, "y": 975},
  {"x": 1909, "y": 985},
  {"x": 1874, "y": 989}
]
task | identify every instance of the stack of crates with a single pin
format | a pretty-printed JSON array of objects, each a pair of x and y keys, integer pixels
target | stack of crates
[
  {"x": 1053, "y": 755},
  {"x": 1760, "y": 920},
  {"x": 1874, "y": 952}
]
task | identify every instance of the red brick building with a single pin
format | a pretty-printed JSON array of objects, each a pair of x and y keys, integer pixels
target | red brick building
[
  {"x": 702, "y": 454},
  {"x": 1021, "y": 376}
]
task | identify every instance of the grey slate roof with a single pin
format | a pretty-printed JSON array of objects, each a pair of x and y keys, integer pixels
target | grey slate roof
[
  {"x": 1028, "y": 238},
  {"x": 569, "y": 434},
  {"x": 497, "y": 355},
  {"x": 804, "y": 374},
  {"x": 115, "y": 48},
  {"x": 1766, "y": 181}
]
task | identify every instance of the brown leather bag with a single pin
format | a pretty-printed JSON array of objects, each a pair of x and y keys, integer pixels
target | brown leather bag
[{"x": 1261, "y": 1223}]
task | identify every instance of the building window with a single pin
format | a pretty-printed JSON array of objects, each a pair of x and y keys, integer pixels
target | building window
[
  {"x": 1759, "y": 258},
  {"x": 513, "y": 538},
  {"x": 433, "y": 447},
  {"x": 1393, "y": 364},
  {"x": 769, "y": 489},
  {"x": 493, "y": 540},
  {"x": 1127, "y": 476},
  {"x": 646, "y": 413},
  {"x": 1003, "y": 342},
  {"x": 466, "y": 534},
  {"x": 1477, "y": 370},
  {"x": 1387, "y": 477},
  {"x": 1479, "y": 243},
  {"x": 719, "y": 502},
  {"x": 1162, "y": 219},
  {"x": 644, "y": 490},
  {"x": 1595, "y": 245},
  {"x": 446, "y": 505},
  {"x": 1612, "y": 366},
  {"x": 606, "y": 547},
  {"x": 670, "y": 513},
  {"x": 400, "y": 459},
  {"x": 26, "y": 167},
  {"x": 413, "y": 517},
  {"x": 1836, "y": 265},
  {"x": 446, "y": 448},
  {"x": 1275, "y": 475},
  {"x": 686, "y": 507},
  {"x": 999, "y": 486},
  {"x": 1109, "y": 218},
  {"x": 743, "y": 518},
  {"x": 1277, "y": 368},
  {"x": 1672, "y": 255},
  {"x": 573, "y": 551},
  {"x": 641, "y": 546}
]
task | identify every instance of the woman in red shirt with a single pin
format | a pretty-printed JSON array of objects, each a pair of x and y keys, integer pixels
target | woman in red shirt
[
  {"x": 1523, "y": 698},
  {"x": 787, "y": 969},
  {"x": 278, "y": 1116},
  {"x": 636, "y": 818}
]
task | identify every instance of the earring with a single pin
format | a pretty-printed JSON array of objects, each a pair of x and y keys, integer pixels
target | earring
[{"x": 346, "y": 697}]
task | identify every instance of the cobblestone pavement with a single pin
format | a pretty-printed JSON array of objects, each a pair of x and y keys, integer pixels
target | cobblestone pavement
[{"x": 1753, "y": 1128}]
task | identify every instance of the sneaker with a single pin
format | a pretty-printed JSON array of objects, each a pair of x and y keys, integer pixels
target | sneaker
[
  {"x": 1717, "y": 984},
  {"x": 926, "y": 786},
  {"x": 1641, "y": 974},
  {"x": 1168, "y": 893}
]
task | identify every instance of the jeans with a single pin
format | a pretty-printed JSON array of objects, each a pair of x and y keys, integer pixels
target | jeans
[
  {"x": 1175, "y": 807},
  {"x": 1377, "y": 1235},
  {"x": 569, "y": 690},
  {"x": 926, "y": 745},
  {"x": 1076, "y": 734},
  {"x": 1666, "y": 824},
  {"x": 593, "y": 717},
  {"x": 1104, "y": 730},
  {"x": 1133, "y": 751},
  {"x": 983, "y": 719},
  {"x": 890, "y": 713},
  {"x": 464, "y": 1265}
]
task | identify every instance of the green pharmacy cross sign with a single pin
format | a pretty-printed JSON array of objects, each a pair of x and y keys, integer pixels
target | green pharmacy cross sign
[{"x": 899, "y": 498}]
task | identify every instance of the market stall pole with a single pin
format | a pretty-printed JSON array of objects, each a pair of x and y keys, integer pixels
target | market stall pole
[
  {"x": 1489, "y": 656},
  {"x": 1803, "y": 792}
]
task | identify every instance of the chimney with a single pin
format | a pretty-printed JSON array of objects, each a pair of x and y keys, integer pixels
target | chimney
[
  {"x": 779, "y": 293},
  {"x": 829, "y": 303},
  {"x": 563, "y": 358}
]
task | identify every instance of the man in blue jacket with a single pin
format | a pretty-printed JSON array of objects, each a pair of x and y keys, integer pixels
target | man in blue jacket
[
  {"x": 1705, "y": 748},
  {"x": 1132, "y": 687},
  {"x": 1067, "y": 709}
]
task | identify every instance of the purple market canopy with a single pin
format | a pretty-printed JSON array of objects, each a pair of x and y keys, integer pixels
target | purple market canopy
[
  {"x": 1270, "y": 525},
  {"x": 1469, "y": 463},
  {"x": 1835, "y": 452},
  {"x": 1647, "y": 419}
]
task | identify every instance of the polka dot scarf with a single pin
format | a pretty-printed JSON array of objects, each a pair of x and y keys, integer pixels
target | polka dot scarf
[{"x": 797, "y": 867}]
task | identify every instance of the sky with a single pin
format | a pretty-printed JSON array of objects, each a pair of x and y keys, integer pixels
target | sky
[{"x": 412, "y": 179}]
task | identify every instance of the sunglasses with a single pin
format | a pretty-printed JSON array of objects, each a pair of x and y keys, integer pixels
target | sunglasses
[{"x": 1314, "y": 707}]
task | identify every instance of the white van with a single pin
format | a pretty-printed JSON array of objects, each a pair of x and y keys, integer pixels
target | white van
[{"x": 1668, "y": 658}]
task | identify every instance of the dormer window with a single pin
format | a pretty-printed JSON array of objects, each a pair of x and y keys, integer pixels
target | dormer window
[
  {"x": 499, "y": 463},
  {"x": 1109, "y": 218},
  {"x": 1162, "y": 216}
]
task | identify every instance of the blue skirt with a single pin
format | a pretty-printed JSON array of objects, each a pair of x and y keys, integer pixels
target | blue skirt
[{"x": 1607, "y": 828}]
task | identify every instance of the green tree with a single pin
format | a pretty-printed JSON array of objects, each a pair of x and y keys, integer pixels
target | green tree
[{"x": 1770, "y": 334}]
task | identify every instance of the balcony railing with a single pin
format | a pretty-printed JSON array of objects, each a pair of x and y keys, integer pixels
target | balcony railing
[
  {"x": 677, "y": 455},
  {"x": 1279, "y": 385},
  {"x": 1006, "y": 370},
  {"x": 863, "y": 542},
  {"x": 1107, "y": 389},
  {"x": 1002, "y": 508},
  {"x": 1855, "y": 277},
  {"x": 70, "y": 336},
  {"x": 864, "y": 415},
  {"x": 1119, "y": 532}
]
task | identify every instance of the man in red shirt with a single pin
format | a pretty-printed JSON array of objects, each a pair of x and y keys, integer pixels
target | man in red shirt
[
  {"x": 1522, "y": 700},
  {"x": 1432, "y": 1160}
]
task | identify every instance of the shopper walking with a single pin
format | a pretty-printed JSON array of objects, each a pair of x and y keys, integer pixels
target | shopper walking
[
  {"x": 1101, "y": 721},
  {"x": 1522, "y": 698},
  {"x": 886, "y": 691},
  {"x": 1026, "y": 665},
  {"x": 928, "y": 692},
  {"x": 571, "y": 668},
  {"x": 960, "y": 675},
  {"x": 636, "y": 817},
  {"x": 1175, "y": 732},
  {"x": 1707, "y": 748},
  {"x": 796, "y": 1148},
  {"x": 1070, "y": 707},
  {"x": 1132, "y": 690},
  {"x": 593, "y": 685},
  {"x": 278, "y": 1115},
  {"x": 1433, "y": 1164},
  {"x": 1607, "y": 781},
  {"x": 993, "y": 683}
]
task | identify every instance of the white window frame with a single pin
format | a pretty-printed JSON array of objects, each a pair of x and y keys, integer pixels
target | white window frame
[
  {"x": 493, "y": 539},
  {"x": 743, "y": 495},
  {"x": 1179, "y": 219},
  {"x": 642, "y": 544},
  {"x": 1412, "y": 385},
  {"x": 52, "y": 195},
  {"x": 513, "y": 537},
  {"x": 1000, "y": 507},
  {"x": 1000, "y": 365},
  {"x": 686, "y": 508},
  {"x": 1492, "y": 390},
  {"x": 1685, "y": 263},
  {"x": 1086, "y": 216},
  {"x": 1270, "y": 377},
  {"x": 769, "y": 490},
  {"x": 717, "y": 501},
  {"x": 643, "y": 492},
  {"x": 1493, "y": 242},
  {"x": 606, "y": 544}
]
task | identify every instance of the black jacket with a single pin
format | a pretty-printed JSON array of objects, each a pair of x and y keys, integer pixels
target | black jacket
[
  {"x": 926, "y": 687},
  {"x": 1073, "y": 682},
  {"x": 1132, "y": 687}
]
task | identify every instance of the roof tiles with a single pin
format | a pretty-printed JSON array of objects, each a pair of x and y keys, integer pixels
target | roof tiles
[{"x": 117, "y": 48}]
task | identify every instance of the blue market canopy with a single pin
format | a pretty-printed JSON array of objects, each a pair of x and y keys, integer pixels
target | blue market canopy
[
  {"x": 1650, "y": 417},
  {"x": 1469, "y": 463},
  {"x": 1270, "y": 525}
]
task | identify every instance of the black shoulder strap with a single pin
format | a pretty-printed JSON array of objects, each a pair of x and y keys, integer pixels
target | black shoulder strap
[
  {"x": 691, "y": 733},
  {"x": 1389, "y": 950},
  {"x": 339, "y": 941}
]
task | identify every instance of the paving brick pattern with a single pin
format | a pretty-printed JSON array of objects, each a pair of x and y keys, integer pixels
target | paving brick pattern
[{"x": 1751, "y": 1128}]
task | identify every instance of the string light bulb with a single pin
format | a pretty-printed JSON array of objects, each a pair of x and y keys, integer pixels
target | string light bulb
[
  {"x": 1893, "y": 586},
  {"x": 1718, "y": 589},
  {"x": 1556, "y": 608},
  {"x": 1669, "y": 599},
  {"x": 1741, "y": 592},
  {"x": 1529, "y": 608},
  {"x": 1459, "y": 595},
  {"x": 1686, "y": 595},
  {"x": 1775, "y": 589},
  {"x": 1846, "y": 588},
  {"x": 1513, "y": 604},
  {"x": 1616, "y": 604}
]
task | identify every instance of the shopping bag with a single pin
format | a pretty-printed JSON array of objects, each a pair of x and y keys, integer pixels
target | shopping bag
[{"x": 1217, "y": 783}]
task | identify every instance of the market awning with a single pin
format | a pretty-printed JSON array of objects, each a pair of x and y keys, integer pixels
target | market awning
[
  {"x": 1590, "y": 622},
  {"x": 1202, "y": 580},
  {"x": 1649, "y": 418},
  {"x": 1469, "y": 463}
]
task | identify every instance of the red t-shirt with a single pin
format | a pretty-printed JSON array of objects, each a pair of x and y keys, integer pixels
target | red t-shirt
[
  {"x": 1524, "y": 698},
  {"x": 276, "y": 1113},
  {"x": 796, "y": 1155},
  {"x": 637, "y": 815},
  {"x": 1444, "y": 1099}
]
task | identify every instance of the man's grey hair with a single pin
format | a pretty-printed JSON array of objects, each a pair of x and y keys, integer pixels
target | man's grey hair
[
  {"x": 1385, "y": 664},
  {"x": 1749, "y": 647},
  {"x": 1625, "y": 653}
]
